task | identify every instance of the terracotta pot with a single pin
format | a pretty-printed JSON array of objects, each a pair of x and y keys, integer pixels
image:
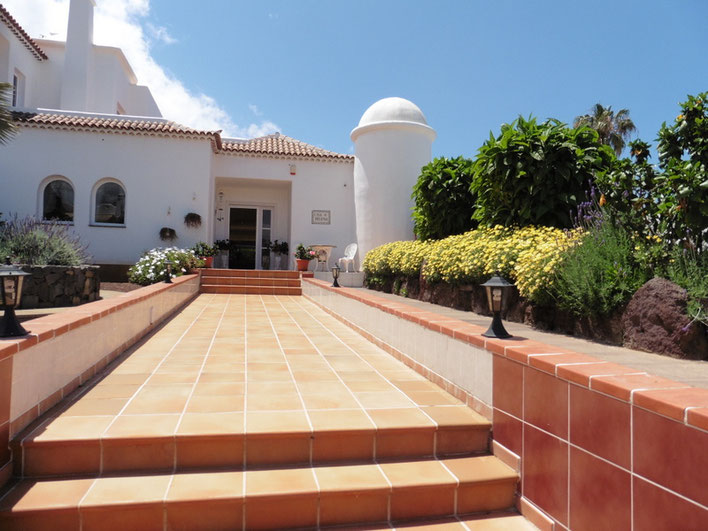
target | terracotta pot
[
  {"x": 302, "y": 264},
  {"x": 208, "y": 261}
]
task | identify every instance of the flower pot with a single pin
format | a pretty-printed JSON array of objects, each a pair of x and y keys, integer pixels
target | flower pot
[
  {"x": 208, "y": 261},
  {"x": 302, "y": 264}
]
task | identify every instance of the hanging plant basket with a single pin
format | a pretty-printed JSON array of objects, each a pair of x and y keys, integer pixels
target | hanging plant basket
[
  {"x": 167, "y": 234},
  {"x": 192, "y": 220}
]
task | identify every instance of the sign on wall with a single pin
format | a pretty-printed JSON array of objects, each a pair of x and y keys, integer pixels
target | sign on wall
[{"x": 321, "y": 217}]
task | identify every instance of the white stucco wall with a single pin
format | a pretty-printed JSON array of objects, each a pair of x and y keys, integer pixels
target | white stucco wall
[
  {"x": 14, "y": 55},
  {"x": 164, "y": 179},
  {"x": 317, "y": 185}
]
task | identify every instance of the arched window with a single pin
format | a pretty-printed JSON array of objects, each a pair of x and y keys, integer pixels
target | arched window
[
  {"x": 58, "y": 201},
  {"x": 109, "y": 204}
]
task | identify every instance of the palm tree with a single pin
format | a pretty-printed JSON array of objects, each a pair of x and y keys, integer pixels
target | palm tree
[
  {"x": 7, "y": 127},
  {"x": 613, "y": 128}
]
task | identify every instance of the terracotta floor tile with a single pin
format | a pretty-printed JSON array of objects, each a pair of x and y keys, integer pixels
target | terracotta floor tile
[
  {"x": 136, "y": 426},
  {"x": 215, "y": 404},
  {"x": 219, "y": 389},
  {"x": 384, "y": 399},
  {"x": 170, "y": 378},
  {"x": 112, "y": 391},
  {"x": 29, "y": 495},
  {"x": 137, "y": 489},
  {"x": 138, "y": 454},
  {"x": 271, "y": 402},
  {"x": 211, "y": 424},
  {"x": 276, "y": 422},
  {"x": 400, "y": 418},
  {"x": 101, "y": 406},
  {"x": 71, "y": 428},
  {"x": 280, "y": 481},
  {"x": 433, "y": 398},
  {"x": 340, "y": 419},
  {"x": 417, "y": 474},
  {"x": 212, "y": 485},
  {"x": 329, "y": 401}
]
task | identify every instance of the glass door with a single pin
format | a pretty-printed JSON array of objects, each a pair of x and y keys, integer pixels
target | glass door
[
  {"x": 250, "y": 230},
  {"x": 243, "y": 228}
]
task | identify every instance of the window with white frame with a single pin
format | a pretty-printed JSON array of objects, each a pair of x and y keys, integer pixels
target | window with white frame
[
  {"x": 18, "y": 89},
  {"x": 109, "y": 204},
  {"x": 58, "y": 200}
]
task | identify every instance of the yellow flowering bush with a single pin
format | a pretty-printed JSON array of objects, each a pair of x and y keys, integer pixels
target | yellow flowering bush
[
  {"x": 396, "y": 258},
  {"x": 528, "y": 257}
]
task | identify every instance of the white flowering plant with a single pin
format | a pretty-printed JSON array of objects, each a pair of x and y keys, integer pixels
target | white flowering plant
[{"x": 151, "y": 266}]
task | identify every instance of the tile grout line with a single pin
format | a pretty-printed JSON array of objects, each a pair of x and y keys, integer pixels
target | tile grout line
[
  {"x": 370, "y": 365},
  {"x": 83, "y": 498}
]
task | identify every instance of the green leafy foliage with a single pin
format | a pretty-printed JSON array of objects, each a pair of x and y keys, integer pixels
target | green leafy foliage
[
  {"x": 204, "y": 250},
  {"x": 537, "y": 174},
  {"x": 600, "y": 273},
  {"x": 612, "y": 128},
  {"x": 690, "y": 271},
  {"x": 34, "y": 242},
  {"x": 444, "y": 203}
]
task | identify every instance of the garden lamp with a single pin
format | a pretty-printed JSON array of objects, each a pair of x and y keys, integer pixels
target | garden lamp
[
  {"x": 497, "y": 288},
  {"x": 168, "y": 272},
  {"x": 335, "y": 276},
  {"x": 11, "y": 278}
]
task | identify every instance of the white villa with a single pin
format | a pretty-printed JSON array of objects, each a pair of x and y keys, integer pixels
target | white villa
[{"x": 94, "y": 151}]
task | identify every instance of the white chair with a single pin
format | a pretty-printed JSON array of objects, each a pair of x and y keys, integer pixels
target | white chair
[{"x": 348, "y": 258}]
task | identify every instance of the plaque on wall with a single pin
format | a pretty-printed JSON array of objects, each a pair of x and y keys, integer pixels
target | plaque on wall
[{"x": 321, "y": 217}]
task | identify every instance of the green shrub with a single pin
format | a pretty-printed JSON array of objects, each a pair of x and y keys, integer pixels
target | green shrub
[
  {"x": 690, "y": 271},
  {"x": 396, "y": 258},
  {"x": 204, "y": 250},
  {"x": 151, "y": 266},
  {"x": 537, "y": 174},
  {"x": 600, "y": 273},
  {"x": 34, "y": 242},
  {"x": 444, "y": 187}
]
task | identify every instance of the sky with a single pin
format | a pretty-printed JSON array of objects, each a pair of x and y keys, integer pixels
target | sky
[{"x": 310, "y": 68}]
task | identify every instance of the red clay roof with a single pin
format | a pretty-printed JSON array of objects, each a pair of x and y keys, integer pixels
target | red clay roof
[
  {"x": 157, "y": 127},
  {"x": 275, "y": 145},
  {"x": 280, "y": 145},
  {"x": 21, "y": 34}
]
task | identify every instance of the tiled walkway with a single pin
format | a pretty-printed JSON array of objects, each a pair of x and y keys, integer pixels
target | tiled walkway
[
  {"x": 253, "y": 363},
  {"x": 259, "y": 411}
]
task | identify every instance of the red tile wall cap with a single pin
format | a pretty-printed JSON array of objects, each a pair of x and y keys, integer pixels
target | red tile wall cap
[
  {"x": 551, "y": 362},
  {"x": 584, "y": 373},
  {"x": 660, "y": 395},
  {"x": 672, "y": 402},
  {"x": 50, "y": 326},
  {"x": 697, "y": 417},
  {"x": 624, "y": 386}
]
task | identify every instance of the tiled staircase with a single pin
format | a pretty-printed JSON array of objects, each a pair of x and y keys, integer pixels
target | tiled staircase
[
  {"x": 250, "y": 281},
  {"x": 278, "y": 474}
]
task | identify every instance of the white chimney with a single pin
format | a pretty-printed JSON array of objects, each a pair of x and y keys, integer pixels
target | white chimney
[{"x": 77, "y": 57}]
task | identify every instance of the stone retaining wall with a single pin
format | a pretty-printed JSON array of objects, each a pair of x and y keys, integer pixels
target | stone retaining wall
[{"x": 53, "y": 286}]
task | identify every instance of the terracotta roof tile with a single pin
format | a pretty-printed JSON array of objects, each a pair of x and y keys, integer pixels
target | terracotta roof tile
[
  {"x": 117, "y": 124},
  {"x": 280, "y": 145},
  {"x": 21, "y": 34}
]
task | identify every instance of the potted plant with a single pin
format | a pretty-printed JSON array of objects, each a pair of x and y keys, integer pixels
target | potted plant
[
  {"x": 279, "y": 249},
  {"x": 206, "y": 252},
  {"x": 222, "y": 259},
  {"x": 168, "y": 234},
  {"x": 303, "y": 255},
  {"x": 192, "y": 220}
]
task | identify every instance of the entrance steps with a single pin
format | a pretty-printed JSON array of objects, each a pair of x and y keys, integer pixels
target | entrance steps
[
  {"x": 251, "y": 471},
  {"x": 250, "y": 281}
]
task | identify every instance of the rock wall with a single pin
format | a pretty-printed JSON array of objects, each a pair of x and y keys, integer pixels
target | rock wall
[{"x": 53, "y": 286}]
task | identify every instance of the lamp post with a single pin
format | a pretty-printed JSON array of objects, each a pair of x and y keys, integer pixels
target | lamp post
[
  {"x": 11, "y": 278},
  {"x": 168, "y": 272},
  {"x": 335, "y": 276},
  {"x": 496, "y": 288}
]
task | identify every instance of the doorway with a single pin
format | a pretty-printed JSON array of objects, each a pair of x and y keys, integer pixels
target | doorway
[{"x": 250, "y": 232}]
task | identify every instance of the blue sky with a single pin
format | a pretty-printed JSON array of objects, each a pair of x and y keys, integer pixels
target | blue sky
[{"x": 311, "y": 68}]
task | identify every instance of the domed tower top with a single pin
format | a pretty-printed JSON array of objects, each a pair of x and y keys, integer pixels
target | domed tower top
[{"x": 394, "y": 113}]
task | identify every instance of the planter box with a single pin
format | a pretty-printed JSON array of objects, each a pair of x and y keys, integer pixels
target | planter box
[{"x": 54, "y": 286}]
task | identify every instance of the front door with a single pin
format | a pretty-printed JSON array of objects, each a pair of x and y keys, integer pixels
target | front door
[{"x": 249, "y": 232}]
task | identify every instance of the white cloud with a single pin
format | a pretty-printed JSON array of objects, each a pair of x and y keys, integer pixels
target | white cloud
[
  {"x": 122, "y": 23},
  {"x": 255, "y": 110}
]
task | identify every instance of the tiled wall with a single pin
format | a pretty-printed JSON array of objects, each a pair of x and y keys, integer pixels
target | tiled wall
[
  {"x": 602, "y": 446},
  {"x": 66, "y": 349}
]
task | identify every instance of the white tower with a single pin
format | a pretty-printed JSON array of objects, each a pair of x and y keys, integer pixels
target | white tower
[
  {"x": 77, "y": 56},
  {"x": 392, "y": 142}
]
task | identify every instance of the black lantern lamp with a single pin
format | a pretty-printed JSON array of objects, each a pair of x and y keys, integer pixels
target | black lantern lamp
[
  {"x": 11, "y": 278},
  {"x": 168, "y": 272},
  {"x": 497, "y": 288},
  {"x": 335, "y": 276}
]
